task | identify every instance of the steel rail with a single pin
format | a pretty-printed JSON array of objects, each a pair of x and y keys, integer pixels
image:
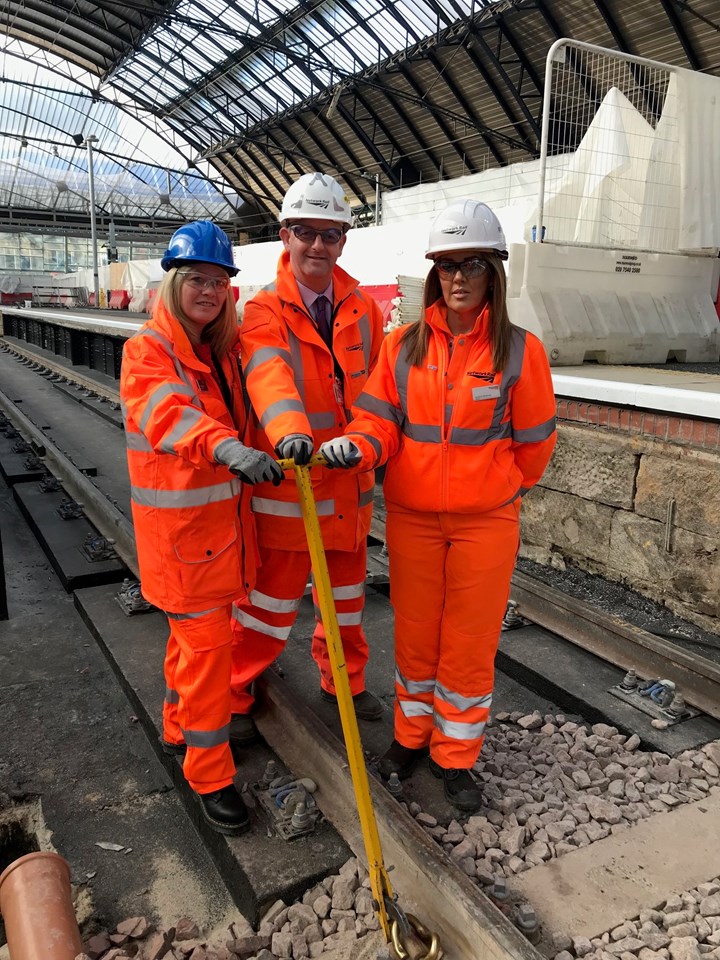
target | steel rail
[
  {"x": 612, "y": 639},
  {"x": 425, "y": 877}
]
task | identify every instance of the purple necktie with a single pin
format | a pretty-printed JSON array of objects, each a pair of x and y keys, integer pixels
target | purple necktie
[{"x": 321, "y": 308}]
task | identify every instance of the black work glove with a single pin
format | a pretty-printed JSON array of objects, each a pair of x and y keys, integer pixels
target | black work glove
[{"x": 297, "y": 447}]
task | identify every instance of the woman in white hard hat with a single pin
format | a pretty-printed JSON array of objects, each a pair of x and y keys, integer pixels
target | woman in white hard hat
[
  {"x": 461, "y": 407},
  {"x": 184, "y": 416}
]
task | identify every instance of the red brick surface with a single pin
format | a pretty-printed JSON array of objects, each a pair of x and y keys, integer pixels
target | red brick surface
[{"x": 691, "y": 431}]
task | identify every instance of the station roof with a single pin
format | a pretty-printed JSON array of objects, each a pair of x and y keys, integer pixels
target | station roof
[{"x": 213, "y": 107}]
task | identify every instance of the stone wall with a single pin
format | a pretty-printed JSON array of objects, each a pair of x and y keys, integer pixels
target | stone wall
[{"x": 639, "y": 509}]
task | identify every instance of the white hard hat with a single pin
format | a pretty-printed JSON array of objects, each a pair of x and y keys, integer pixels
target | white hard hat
[
  {"x": 316, "y": 196},
  {"x": 466, "y": 225}
]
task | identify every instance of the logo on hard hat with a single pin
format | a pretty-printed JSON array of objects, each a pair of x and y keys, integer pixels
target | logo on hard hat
[
  {"x": 323, "y": 204},
  {"x": 457, "y": 230}
]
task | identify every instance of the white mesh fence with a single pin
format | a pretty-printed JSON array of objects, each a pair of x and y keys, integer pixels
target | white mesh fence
[{"x": 610, "y": 126}]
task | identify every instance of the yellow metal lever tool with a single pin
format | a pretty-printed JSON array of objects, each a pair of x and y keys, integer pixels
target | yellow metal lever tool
[
  {"x": 409, "y": 939},
  {"x": 379, "y": 882}
]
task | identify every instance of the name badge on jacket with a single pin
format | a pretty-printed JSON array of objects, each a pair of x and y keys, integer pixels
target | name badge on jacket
[{"x": 486, "y": 393}]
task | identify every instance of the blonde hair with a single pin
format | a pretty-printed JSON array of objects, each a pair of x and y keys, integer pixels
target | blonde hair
[
  {"x": 220, "y": 333},
  {"x": 417, "y": 337}
]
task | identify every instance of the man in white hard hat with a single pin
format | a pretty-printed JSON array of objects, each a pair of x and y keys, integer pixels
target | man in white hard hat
[{"x": 309, "y": 342}]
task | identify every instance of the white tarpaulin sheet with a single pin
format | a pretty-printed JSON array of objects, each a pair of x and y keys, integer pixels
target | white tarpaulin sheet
[{"x": 699, "y": 129}]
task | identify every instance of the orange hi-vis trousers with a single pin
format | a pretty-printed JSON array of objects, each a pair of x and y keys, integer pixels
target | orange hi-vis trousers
[
  {"x": 197, "y": 695},
  {"x": 262, "y": 623},
  {"x": 449, "y": 585}
]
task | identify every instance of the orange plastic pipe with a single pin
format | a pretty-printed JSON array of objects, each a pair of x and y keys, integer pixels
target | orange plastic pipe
[{"x": 36, "y": 906}]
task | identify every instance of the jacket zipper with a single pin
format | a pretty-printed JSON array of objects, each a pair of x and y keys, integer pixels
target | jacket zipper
[{"x": 444, "y": 445}]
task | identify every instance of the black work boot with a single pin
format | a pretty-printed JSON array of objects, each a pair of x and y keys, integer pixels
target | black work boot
[
  {"x": 242, "y": 730},
  {"x": 461, "y": 788},
  {"x": 400, "y": 760},
  {"x": 225, "y": 811},
  {"x": 367, "y": 706}
]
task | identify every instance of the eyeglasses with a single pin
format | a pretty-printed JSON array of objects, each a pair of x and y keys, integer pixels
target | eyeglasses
[
  {"x": 308, "y": 234},
  {"x": 472, "y": 267},
  {"x": 198, "y": 282}
]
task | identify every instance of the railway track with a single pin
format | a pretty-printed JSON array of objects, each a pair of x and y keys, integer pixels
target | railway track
[{"x": 447, "y": 900}]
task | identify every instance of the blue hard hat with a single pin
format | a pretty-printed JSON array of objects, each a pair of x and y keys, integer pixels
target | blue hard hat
[{"x": 200, "y": 242}]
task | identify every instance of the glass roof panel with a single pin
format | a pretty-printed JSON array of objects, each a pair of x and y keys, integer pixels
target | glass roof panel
[
  {"x": 43, "y": 115},
  {"x": 334, "y": 39}
]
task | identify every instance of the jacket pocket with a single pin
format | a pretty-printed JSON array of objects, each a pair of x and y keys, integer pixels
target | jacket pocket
[{"x": 205, "y": 547}]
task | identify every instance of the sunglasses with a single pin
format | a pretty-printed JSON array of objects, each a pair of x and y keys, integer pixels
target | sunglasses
[
  {"x": 472, "y": 267},
  {"x": 198, "y": 282},
  {"x": 309, "y": 234}
]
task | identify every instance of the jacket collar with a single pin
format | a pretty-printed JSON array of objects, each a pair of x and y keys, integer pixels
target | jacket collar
[
  {"x": 164, "y": 322},
  {"x": 287, "y": 289},
  {"x": 436, "y": 317}
]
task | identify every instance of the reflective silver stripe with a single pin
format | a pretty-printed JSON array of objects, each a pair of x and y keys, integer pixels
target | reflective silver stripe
[
  {"x": 460, "y": 702},
  {"x": 263, "y": 355},
  {"x": 535, "y": 434},
  {"x": 206, "y": 738},
  {"x": 381, "y": 408},
  {"x": 511, "y": 373},
  {"x": 402, "y": 372},
  {"x": 274, "y": 604},
  {"x": 344, "y": 619},
  {"x": 190, "y": 616},
  {"x": 259, "y": 626},
  {"x": 365, "y": 333},
  {"x": 281, "y": 508},
  {"x": 374, "y": 443},
  {"x": 278, "y": 408},
  {"x": 322, "y": 421},
  {"x": 414, "y": 708},
  {"x": 422, "y": 432},
  {"x": 124, "y": 410},
  {"x": 171, "y": 696},
  {"x": 414, "y": 686},
  {"x": 296, "y": 362},
  {"x": 457, "y": 730},
  {"x": 465, "y": 436},
  {"x": 351, "y": 592},
  {"x": 187, "y": 419},
  {"x": 366, "y": 498},
  {"x": 138, "y": 441},
  {"x": 198, "y": 497},
  {"x": 353, "y": 619},
  {"x": 159, "y": 394}
]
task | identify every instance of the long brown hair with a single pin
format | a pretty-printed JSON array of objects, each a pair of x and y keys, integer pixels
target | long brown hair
[
  {"x": 417, "y": 337},
  {"x": 220, "y": 333}
]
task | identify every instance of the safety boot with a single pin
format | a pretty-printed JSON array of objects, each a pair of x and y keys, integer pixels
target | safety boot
[
  {"x": 461, "y": 788},
  {"x": 367, "y": 705},
  {"x": 225, "y": 811},
  {"x": 242, "y": 730},
  {"x": 400, "y": 760}
]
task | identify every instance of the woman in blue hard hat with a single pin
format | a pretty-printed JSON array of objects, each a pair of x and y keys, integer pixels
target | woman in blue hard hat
[{"x": 184, "y": 420}]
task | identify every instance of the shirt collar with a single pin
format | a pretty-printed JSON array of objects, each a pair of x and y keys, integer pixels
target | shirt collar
[{"x": 310, "y": 296}]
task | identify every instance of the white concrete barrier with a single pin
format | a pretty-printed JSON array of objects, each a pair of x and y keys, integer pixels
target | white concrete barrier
[{"x": 615, "y": 306}]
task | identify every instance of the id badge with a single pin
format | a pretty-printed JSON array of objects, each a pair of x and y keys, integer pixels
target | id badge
[{"x": 338, "y": 390}]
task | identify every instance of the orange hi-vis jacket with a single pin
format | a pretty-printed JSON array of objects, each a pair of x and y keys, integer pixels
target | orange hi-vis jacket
[
  {"x": 459, "y": 437},
  {"x": 193, "y": 525},
  {"x": 291, "y": 380}
]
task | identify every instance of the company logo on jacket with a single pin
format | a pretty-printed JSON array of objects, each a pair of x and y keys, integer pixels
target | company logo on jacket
[
  {"x": 355, "y": 346},
  {"x": 488, "y": 377},
  {"x": 201, "y": 384}
]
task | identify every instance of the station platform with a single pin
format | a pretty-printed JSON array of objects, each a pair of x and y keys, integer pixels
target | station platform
[{"x": 686, "y": 390}]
